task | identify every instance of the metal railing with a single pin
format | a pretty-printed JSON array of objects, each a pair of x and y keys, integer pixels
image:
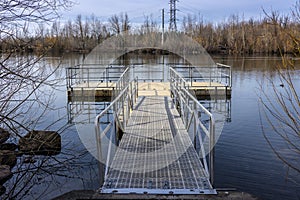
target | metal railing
[
  {"x": 83, "y": 112},
  {"x": 148, "y": 73},
  {"x": 194, "y": 115},
  {"x": 198, "y": 121},
  {"x": 219, "y": 74},
  {"x": 122, "y": 82},
  {"x": 85, "y": 75},
  {"x": 121, "y": 107},
  {"x": 225, "y": 72}
]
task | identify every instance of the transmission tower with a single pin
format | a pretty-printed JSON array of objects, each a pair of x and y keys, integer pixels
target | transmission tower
[{"x": 172, "y": 23}]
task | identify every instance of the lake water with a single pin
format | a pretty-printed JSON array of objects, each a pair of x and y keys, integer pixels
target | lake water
[{"x": 243, "y": 158}]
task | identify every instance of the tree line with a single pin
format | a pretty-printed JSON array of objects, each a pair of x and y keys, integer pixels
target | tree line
[
  {"x": 269, "y": 35},
  {"x": 236, "y": 35}
]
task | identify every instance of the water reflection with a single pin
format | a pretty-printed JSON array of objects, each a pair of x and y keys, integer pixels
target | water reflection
[{"x": 85, "y": 107}]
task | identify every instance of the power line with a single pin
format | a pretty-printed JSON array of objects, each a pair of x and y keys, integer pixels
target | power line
[{"x": 172, "y": 22}]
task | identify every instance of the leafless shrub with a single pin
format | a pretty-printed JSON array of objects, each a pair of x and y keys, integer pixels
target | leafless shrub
[{"x": 281, "y": 101}]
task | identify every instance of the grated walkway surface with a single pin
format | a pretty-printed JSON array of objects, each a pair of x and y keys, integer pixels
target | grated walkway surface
[{"x": 156, "y": 154}]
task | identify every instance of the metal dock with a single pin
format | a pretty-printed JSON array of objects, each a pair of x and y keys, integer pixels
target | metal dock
[
  {"x": 100, "y": 81},
  {"x": 156, "y": 144}
]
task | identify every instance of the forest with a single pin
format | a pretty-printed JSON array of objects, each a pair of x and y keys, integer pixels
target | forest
[{"x": 269, "y": 35}]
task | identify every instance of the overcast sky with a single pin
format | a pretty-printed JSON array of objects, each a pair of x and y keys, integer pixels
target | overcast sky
[{"x": 211, "y": 10}]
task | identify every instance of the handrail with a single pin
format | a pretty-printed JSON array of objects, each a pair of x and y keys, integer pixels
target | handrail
[
  {"x": 109, "y": 108},
  {"x": 87, "y": 73},
  {"x": 223, "y": 65},
  {"x": 189, "y": 109},
  {"x": 121, "y": 106},
  {"x": 219, "y": 73},
  {"x": 122, "y": 82},
  {"x": 229, "y": 74},
  {"x": 190, "y": 95},
  {"x": 98, "y": 73}
]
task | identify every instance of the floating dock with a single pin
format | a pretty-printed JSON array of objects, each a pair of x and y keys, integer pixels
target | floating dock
[
  {"x": 103, "y": 90},
  {"x": 100, "y": 82}
]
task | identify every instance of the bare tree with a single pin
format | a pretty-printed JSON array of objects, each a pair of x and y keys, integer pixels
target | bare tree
[
  {"x": 21, "y": 77},
  {"x": 281, "y": 105},
  {"x": 97, "y": 32},
  {"x": 115, "y": 24},
  {"x": 149, "y": 25},
  {"x": 26, "y": 84},
  {"x": 125, "y": 22},
  {"x": 120, "y": 23}
]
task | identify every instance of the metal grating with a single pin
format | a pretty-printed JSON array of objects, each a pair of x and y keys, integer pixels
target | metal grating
[{"x": 156, "y": 154}]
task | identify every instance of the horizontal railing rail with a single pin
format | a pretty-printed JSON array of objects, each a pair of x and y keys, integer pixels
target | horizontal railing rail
[
  {"x": 226, "y": 71},
  {"x": 122, "y": 82},
  {"x": 94, "y": 75},
  {"x": 218, "y": 73},
  {"x": 85, "y": 74},
  {"x": 121, "y": 107},
  {"x": 194, "y": 115},
  {"x": 148, "y": 73}
]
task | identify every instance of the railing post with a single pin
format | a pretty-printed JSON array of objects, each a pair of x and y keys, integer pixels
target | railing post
[
  {"x": 211, "y": 150},
  {"x": 123, "y": 110},
  {"x": 128, "y": 103},
  {"x": 230, "y": 78},
  {"x": 195, "y": 124},
  {"x": 68, "y": 78},
  {"x": 99, "y": 153},
  {"x": 106, "y": 74},
  {"x": 88, "y": 77},
  {"x": 187, "y": 111},
  {"x": 137, "y": 87}
]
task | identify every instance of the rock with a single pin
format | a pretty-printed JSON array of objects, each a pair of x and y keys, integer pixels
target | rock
[
  {"x": 2, "y": 190},
  {"x": 5, "y": 174},
  {"x": 8, "y": 158},
  {"x": 8, "y": 146},
  {"x": 40, "y": 143},
  {"x": 4, "y": 135}
]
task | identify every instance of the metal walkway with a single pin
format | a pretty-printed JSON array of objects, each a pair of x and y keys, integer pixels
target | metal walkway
[
  {"x": 165, "y": 143},
  {"x": 156, "y": 155}
]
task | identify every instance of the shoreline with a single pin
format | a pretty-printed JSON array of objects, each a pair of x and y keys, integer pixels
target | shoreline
[{"x": 90, "y": 194}]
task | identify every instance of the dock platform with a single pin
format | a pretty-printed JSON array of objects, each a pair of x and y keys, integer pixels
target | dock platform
[
  {"x": 96, "y": 81},
  {"x": 104, "y": 90}
]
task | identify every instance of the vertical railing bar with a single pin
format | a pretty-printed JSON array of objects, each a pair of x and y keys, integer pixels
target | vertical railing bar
[
  {"x": 211, "y": 150},
  {"x": 203, "y": 152}
]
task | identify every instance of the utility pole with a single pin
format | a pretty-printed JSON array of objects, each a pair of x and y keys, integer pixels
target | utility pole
[
  {"x": 172, "y": 23},
  {"x": 163, "y": 26}
]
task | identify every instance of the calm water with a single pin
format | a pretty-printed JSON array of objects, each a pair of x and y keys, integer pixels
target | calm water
[{"x": 243, "y": 158}]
